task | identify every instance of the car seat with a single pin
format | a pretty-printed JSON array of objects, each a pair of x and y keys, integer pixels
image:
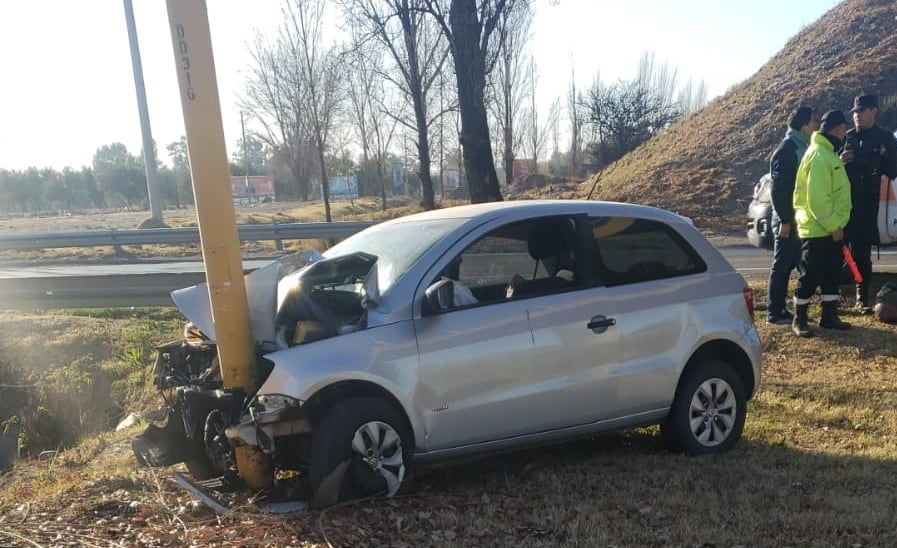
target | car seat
[{"x": 549, "y": 245}]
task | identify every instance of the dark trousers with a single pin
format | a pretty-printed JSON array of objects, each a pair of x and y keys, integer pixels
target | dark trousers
[
  {"x": 785, "y": 258},
  {"x": 820, "y": 266},
  {"x": 861, "y": 234},
  {"x": 861, "y": 250}
]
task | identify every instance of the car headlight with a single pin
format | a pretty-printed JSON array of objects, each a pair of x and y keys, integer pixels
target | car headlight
[{"x": 272, "y": 403}]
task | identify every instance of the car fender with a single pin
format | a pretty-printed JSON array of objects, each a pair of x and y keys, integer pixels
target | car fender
[
  {"x": 719, "y": 344},
  {"x": 385, "y": 356}
]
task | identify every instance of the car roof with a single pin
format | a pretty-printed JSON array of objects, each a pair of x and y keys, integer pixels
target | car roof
[{"x": 497, "y": 210}]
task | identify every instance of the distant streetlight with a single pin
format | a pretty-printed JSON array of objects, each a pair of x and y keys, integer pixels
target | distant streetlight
[{"x": 149, "y": 150}]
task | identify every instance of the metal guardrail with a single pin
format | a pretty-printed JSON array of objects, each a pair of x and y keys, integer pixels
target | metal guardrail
[{"x": 190, "y": 235}]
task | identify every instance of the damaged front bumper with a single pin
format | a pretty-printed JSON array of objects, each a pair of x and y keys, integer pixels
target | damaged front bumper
[
  {"x": 268, "y": 417},
  {"x": 186, "y": 429}
]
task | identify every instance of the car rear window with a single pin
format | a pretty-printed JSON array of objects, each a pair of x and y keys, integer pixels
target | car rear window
[{"x": 635, "y": 250}]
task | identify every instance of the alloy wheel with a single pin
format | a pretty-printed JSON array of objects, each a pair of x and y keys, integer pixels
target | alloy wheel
[
  {"x": 379, "y": 447},
  {"x": 712, "y": 412}
]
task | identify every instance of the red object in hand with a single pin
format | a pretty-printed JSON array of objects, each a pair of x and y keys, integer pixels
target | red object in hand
[{"x": 852, "y": 265}]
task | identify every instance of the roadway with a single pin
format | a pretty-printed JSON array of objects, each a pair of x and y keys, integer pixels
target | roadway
[{"x": 149, "y": 284}]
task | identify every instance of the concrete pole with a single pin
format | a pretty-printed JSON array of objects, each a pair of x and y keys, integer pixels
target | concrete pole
[
  {"x": 149, "y": 151},
  {"x": 215, "y": 211}
]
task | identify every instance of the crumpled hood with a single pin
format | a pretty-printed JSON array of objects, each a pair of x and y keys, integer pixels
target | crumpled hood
[{"x": 261, "y": 293}]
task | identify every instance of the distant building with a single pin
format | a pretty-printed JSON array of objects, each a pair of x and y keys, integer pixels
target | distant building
[
  {"x": 341, "y": 187},
  {"x": 522, "y": 167},
  {"x": 398, "y": 178},
  {"x": 452, "y": 179},
  {"x": 255, "y": 188},
  {"x": 344, "y": 186}
]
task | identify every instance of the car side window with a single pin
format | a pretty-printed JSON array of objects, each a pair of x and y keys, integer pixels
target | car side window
[
  {"x": 633, "y": 250},
  {"x": 518, "y": 260}
]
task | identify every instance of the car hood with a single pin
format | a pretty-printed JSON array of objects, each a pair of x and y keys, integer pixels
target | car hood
[
  {"x": 261, "y": 293},
  {"x": 267, "y": 287}
]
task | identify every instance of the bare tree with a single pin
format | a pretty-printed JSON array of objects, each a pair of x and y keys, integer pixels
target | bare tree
[
  {"x": 692, "y": 97},
  {"x": 321, "y": 74},
  {"x": 658, "y": 80},
  {"x": 628, "y": 113},
  {"x": 537, "y": 132},
  {"x": 475, "y": 37},
  {"x": 508, "y": 85},
  {"x": 274, "y": 99},
  {"x": 371, "y": 108},
  {"x": 574, "y": 113},
  {"x": 419, "y": 52}
]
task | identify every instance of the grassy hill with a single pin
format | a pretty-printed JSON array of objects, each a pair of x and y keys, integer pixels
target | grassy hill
[{"x": 706, "y": 165}]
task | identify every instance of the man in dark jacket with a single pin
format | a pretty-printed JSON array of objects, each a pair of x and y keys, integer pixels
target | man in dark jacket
[
  {"x": 786, "y": 250},
  {"x": 870, "y": 157}
]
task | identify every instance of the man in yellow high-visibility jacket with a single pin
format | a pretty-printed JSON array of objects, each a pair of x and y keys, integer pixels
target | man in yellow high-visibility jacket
[{"x": 821, "y": 210}]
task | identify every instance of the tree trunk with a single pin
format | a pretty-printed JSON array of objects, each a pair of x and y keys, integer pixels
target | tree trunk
[
  {"x": 508, "y": 133},
  {"x": 325, "y": 183},
  {"x": 419, "y": 101},
  {"x": 470, "y": 67},
  {"x": 509, "y": 156},
  {"x": 301, "y": 187},
  {"x": 382, "y": 183},
  {"x": 427, "y": 199}
]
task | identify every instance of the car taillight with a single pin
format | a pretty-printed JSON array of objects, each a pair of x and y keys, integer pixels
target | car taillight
[{"x": 749, "y": 300}]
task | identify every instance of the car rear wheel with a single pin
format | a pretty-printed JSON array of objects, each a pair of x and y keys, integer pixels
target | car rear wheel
[
  {"x": 708, "y": 411},
  {"x": 368, "y": 442}
]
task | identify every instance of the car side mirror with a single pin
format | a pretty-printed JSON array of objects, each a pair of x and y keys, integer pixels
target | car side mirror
[{"x": 440, "y": 296}]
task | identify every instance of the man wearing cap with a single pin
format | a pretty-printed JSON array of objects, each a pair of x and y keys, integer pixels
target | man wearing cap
[
  {"x": 870, "y": 154},
  {"x": 786, "y": 245},
  {"x": 821, "y": 211}
]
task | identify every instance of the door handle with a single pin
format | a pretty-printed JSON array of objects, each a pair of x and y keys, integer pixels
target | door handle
[{"x": 599, "y": 324}]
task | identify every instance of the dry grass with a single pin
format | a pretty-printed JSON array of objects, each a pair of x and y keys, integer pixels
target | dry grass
[{"x": 817, "y": 467}]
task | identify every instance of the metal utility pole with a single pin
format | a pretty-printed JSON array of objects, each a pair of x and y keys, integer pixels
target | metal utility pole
[
  {"x": 149, "y": 150},
  {"x": 210, "y": 171}
]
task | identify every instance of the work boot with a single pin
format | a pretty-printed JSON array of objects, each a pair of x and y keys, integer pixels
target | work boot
[
  {"x": 830, "y": 319},
  {"x": 863, "y": 304},
  {"x": 799, "y": 326}
]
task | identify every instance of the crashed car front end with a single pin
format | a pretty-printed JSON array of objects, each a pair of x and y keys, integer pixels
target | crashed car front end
[
  {"x": 267, "y": 418},
  {"x": 295, "y": 301}
]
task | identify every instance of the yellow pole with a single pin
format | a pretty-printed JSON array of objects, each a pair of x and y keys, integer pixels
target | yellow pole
[{"x": 209, "y": 169}]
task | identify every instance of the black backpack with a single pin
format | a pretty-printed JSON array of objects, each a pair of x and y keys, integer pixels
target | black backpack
[{"x": 886, "y": 303}]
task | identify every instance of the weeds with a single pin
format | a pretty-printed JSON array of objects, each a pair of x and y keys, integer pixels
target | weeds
[{"x": 817, "y": 467}]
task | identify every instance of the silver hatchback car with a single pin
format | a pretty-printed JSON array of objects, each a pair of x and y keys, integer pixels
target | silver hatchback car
[{"x": 469, "y": 330}]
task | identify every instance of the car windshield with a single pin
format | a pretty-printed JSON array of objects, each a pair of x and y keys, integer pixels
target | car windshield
[{"x": 396, "y": 245}]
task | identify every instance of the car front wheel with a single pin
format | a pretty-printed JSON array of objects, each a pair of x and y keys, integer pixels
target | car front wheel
[
  {"x": 708, "y": 411},
  {"x": 367, "y": 442}
]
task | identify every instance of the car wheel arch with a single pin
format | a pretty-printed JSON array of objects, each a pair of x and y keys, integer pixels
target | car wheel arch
[
  {"x": 728, "y": 352},
  {"x": 325, "y": 398}
]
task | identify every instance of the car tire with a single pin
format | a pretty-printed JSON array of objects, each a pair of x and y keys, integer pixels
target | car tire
[
  {"x": 708, "y": 411},
  {"x": 374, "y": 441}
]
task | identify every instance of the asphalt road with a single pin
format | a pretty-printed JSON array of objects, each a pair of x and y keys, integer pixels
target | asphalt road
[{"x": 149, "y": 284}]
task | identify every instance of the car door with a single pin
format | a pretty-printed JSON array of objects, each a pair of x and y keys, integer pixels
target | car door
[
  {"x": 575, "y": 341},
  {"x": 650, "y": 276},
  {"x": 478, "y": 380},
  {"x": 474, "y": 367},
  {"x": 575, "y": 337}
]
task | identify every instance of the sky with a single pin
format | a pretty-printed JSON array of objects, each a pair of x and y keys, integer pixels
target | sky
[{"x": 67, "y": 87}]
